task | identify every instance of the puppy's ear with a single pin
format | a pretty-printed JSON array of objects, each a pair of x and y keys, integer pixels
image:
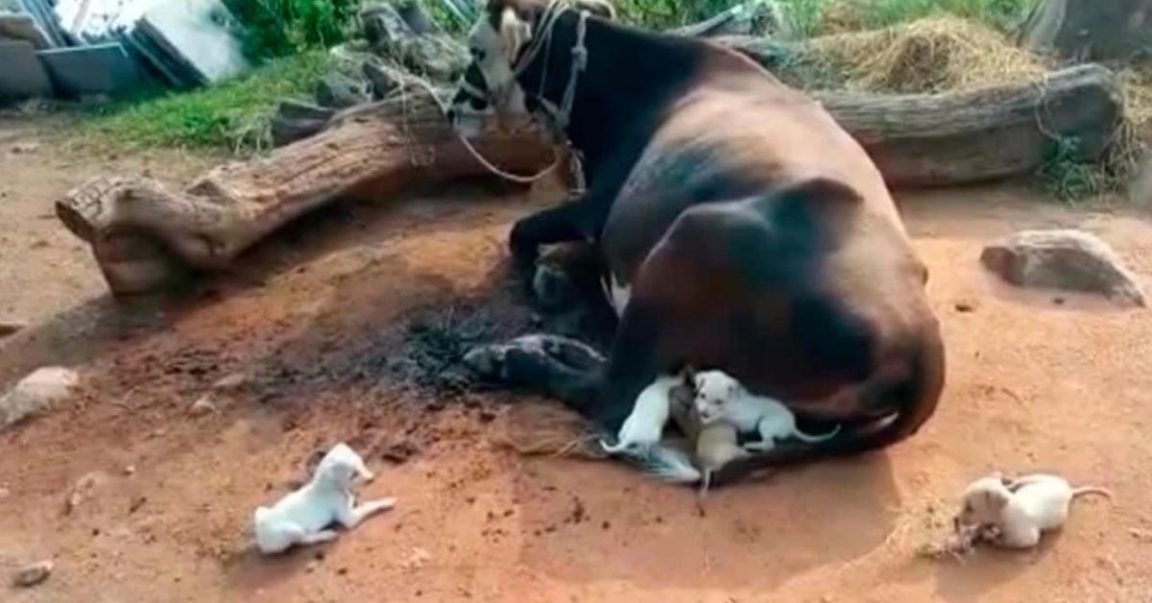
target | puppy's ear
[
  {"x": 515, "y": 33},
  {"x": 688, "y": 375},
  {"x": 995, "y": 499}
]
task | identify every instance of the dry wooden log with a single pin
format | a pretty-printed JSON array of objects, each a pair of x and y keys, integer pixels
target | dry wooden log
[
  {"x": 144, "y": 235},
  {"x": 959, "y": 138}
]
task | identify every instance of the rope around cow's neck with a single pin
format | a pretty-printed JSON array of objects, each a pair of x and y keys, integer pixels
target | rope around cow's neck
[{"x": 559, "y": 116}]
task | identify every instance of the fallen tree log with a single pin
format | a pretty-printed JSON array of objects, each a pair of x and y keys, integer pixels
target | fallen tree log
[
  {"x": 143, "y": 234},
  {"x": 959, "y": 138}
]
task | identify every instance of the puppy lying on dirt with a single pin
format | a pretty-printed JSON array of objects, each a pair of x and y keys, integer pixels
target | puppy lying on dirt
[
  {"x": 1018, "y": 510},
  {"x": 303, "y": 517}
]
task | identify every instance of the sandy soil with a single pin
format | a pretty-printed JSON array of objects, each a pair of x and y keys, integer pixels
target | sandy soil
[{"x": 163, "y": 499}]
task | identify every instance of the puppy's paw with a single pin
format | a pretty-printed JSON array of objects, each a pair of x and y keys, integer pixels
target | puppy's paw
[{"x": 383, "y": 504}]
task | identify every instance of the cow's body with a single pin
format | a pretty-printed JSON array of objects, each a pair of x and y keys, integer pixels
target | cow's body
[{"x": 742, "y": 229}]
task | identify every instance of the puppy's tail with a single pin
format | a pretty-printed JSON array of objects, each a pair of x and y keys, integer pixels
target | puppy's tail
[{"x": 1106, "y": 493}]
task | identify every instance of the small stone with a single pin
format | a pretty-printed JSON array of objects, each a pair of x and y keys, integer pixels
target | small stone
[
  {"x": 342, "y": 571},
  {"x": 1069, "y": 260},
  {"x": 130, "y": 470},
  {"x": 8, "y": 329},
  {"x": 31, "y": 575},
  {"x": 202, "y": 407},
  {"x": 1140, "y": 535},
  {"x": 966, "y": 305},
  {"x": 230, "y": 382},
  {"x": 5, "y": 493},
  {"x": 399, "y": 451},
  {"x": 25, "y": 148}
]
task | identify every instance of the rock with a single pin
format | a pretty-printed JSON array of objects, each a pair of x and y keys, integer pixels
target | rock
[
  {"x": 1087, "y": 30},
  {"x": 399, "y": 451},
  {"x": 8, "y": 329},
  {"x": 37, "y": 393},
  {"x": 231, "y": 382},
  {"x": 36, "y": 573},
  {"x": 763, "y": 18},
  {"x": 338, "y": 91},
  {"x": 203, "y": 406},
  {"x": 415, "y": 17},
  {"x": 295, "y": 109},
  {"x": 286, "y": 130},
  {"x": 382, "y": 79},
  {"x": 1070, "y": 260}
]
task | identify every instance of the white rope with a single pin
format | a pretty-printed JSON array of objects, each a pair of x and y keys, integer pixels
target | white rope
[
  {"x": 559, "y": 116},
  {"x": 472, "y": 150}
]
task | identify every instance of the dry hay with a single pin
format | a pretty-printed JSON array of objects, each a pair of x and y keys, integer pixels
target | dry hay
[
  {"x": 929, "y": 55},
  {"x": 536, "y": 427},
  {"x": 945, "y": 54}
]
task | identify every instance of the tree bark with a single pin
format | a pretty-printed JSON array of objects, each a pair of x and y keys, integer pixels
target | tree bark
[
  {"x": 144, "y": 235},
  {"x": 964, "y": 137},
  {"x": 1090, "y": 30}
]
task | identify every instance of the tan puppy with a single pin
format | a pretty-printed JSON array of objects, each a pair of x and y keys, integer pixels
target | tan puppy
[
  {"x": 1019, "y": 509},
  {"x": 714, "y": 445}
]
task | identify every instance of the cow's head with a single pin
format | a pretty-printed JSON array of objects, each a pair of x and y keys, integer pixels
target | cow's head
[{"x": 498, "y": 42}]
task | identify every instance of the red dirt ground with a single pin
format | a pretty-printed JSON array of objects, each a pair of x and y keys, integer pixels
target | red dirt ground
[{"x": 1035, "y": 381}]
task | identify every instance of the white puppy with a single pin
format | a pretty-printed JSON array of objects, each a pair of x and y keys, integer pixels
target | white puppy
[
  {"x": 303, "y": 517},
  {"x": 644, "y": 427},
  {"x": 719, "y": 397},
  {"x": 1019, "y": 509}
]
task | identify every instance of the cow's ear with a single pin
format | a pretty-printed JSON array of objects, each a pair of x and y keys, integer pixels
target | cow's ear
[
  {"x": 515, "y": 33},
  {"x": 600, "y": 8}
]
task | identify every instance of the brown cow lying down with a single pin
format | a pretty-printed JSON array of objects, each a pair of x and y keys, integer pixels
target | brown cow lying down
[{"x": 742, "y": 229}]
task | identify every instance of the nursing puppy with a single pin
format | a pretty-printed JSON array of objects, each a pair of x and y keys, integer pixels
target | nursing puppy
[
  {"x": 713, "y": 445},
  {"x": 721, "y": 397},
  {"x": 645, "y": 426},
  {"x": 303, "y": 517},
  {"x": 1019, "y": 509}
]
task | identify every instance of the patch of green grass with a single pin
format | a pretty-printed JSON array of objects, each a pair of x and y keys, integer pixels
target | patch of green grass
[
  {"x": 1067, "y": 177},
  {"x": 998, "y": 13},
  {"x": 233, "y": 115},
  {"x": 276, "y": 28}
]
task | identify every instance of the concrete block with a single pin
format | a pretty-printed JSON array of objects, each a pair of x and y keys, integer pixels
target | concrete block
[
  {"x": 97, "y": 69},
  {"x": 22, "y": 74}
]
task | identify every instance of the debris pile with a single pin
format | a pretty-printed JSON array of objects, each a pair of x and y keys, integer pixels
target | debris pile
[{"x": 95, "y": 49}]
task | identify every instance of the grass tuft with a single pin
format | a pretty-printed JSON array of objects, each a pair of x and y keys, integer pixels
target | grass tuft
[{"x": 234, "y": 115}]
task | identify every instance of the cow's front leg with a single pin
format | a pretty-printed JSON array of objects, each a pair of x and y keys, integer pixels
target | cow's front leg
[{"x": 561, "y": 224}]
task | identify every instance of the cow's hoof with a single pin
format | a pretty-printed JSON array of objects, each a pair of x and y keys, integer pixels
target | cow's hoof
[{"x": 523, "y": 359}]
